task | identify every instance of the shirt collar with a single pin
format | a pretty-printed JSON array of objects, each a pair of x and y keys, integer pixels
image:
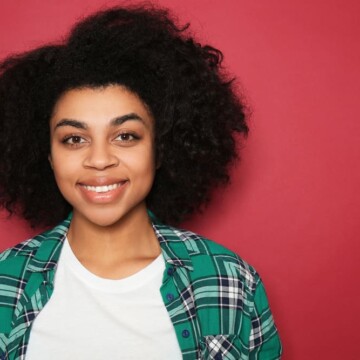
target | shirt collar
[{"x": 171, "y": 241}]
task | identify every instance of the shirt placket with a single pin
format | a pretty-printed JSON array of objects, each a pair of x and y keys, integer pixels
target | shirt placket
[{"x": 177, "y": 296}]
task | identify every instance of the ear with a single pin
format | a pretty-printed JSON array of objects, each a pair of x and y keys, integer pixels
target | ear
[{"x": 50, "y": 161}]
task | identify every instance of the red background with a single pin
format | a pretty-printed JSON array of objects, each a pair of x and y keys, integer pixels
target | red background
[{"x": 292, "y": 209}]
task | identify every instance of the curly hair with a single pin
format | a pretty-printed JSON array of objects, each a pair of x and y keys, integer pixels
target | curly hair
[{"x": 197, "y": 111}]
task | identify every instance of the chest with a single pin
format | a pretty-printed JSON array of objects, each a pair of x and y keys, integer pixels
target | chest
[{"x": 87, "y": 317}]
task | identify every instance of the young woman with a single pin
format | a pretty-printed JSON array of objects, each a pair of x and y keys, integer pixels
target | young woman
[{"x": 122, "y": 128}]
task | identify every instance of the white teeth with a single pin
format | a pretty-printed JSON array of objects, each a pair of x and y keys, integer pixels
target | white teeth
[{"x": 101, "y": 189}]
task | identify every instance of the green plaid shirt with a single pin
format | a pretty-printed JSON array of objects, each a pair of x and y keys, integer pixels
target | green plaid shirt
[{"x": 215, "y": 300}]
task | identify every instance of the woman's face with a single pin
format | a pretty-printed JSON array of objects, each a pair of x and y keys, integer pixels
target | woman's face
[{"x": 102, "y": 152}]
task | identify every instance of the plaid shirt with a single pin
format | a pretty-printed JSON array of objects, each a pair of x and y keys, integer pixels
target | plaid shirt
[{"x": 215, "y": 300}]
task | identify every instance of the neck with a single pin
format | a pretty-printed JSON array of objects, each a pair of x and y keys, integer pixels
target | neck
[{"x": 116, "y": 250}]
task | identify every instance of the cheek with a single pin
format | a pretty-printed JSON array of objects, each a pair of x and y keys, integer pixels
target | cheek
[
  {"x": 63, "y": 165},
  {"x": 140, "y": 161},
  {"x": 140, "y": 170}
]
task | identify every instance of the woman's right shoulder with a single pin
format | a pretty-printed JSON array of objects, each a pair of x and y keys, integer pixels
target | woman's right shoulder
[
  {"x": 25, "y": 249},
  {"x": 42, "y": 248}
]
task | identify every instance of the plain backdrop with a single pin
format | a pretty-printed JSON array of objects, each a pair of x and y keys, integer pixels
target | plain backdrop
[{"x": 292, "y": 209}]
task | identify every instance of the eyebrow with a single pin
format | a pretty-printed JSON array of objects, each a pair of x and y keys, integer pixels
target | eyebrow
[{"x": 114, "y": 122}]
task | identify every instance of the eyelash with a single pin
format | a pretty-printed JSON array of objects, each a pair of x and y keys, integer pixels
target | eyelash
[
  {"x": 66, "y": 139},
  {"x": 134, "y": 136}
]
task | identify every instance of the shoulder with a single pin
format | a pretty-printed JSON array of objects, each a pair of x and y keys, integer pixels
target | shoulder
[
  {"x": 13, "y": 260},
  {"x": 211, "y": 259},
  {"x": 44, "y": 247},
  {"x": 223, "y": 262},
  {"x": 25, "y": 248},
  {"x": 18, "y": 256}
]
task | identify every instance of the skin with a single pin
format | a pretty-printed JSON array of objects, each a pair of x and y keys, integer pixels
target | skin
[{"x": 103, "y": 136}]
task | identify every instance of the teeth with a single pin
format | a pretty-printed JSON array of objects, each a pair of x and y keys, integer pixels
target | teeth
[{"x": 101, "y": 189}]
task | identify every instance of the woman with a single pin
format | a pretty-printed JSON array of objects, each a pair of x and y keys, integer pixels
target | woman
[{"x": 125, "y": 126}]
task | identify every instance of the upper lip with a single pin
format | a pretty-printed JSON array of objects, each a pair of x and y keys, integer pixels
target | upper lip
[{"x": 101, "y": 181}]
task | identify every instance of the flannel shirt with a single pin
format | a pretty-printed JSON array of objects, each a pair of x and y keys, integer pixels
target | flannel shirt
[{"x": 215, "y": 300}]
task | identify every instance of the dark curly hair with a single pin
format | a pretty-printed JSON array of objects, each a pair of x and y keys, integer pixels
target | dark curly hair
[{"x": 196, "y": 108}]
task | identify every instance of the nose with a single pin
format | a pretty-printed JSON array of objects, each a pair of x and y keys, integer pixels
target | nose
[{"x": 100, "y": 156}]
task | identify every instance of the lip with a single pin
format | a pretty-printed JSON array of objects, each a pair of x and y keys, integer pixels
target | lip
[{"x": 102, "y": 197}]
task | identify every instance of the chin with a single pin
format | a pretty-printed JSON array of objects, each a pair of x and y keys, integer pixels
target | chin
[
  {"x": 105, "y": 217},
  {"x": 104, "y": 222}
]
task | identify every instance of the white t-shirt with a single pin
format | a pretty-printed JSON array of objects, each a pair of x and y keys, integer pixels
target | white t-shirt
[{"x": 92, "y": 318}]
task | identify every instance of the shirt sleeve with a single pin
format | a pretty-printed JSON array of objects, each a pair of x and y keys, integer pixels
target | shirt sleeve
[{"x": 264, "y": 338}]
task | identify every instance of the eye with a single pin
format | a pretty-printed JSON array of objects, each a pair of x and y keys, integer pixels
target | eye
[
  {"x": 126, "y": 137},
  {"x": 73, "y": 140}
]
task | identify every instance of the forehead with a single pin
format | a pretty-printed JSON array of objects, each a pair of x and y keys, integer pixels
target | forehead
[{"x": 99, "y": 103}]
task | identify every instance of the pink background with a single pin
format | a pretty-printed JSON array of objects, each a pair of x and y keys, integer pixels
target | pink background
[{"x": 292, "y": 209}]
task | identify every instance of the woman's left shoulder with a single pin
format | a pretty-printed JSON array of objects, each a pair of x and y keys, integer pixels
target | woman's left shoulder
[{"x": 212, "y": 258}]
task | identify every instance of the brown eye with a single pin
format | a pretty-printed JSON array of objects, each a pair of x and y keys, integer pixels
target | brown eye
[
  {"x": 73, "y": 140},
  {"x": 126, "y": 137},
  {"x": 76, "y": 139}
]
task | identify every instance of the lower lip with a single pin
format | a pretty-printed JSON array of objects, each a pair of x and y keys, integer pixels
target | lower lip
[{"x": 103, "y": 197}]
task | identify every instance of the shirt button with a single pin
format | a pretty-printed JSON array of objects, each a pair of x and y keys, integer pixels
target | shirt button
[
  {"x": 185, "y": 333},
  {"x": 170, "y": 297},
  {"x": 170, "y": 271}
]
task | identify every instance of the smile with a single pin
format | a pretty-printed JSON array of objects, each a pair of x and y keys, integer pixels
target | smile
[{"x": 102, "y": 189}]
